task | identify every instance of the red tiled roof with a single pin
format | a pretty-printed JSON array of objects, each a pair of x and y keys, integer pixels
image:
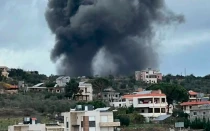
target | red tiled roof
[
  {"x": 33, "y": 118},
  {"x": 192, "y": 93},
  {"x": 195, "y": 103},
  {"x": 142, "y": 95}
]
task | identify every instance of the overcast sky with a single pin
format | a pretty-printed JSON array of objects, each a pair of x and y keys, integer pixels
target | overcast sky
[{"x": 26, "y": 40}]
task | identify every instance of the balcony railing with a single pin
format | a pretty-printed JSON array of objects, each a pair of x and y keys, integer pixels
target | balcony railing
[{"x": 109, "y": 124}]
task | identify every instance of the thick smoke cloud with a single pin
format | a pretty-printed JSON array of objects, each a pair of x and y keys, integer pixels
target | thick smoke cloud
[{"x": 123, "y": 29}]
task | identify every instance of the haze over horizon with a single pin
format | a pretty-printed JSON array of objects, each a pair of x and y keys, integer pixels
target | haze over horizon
[{"x": 26, "y": 40}]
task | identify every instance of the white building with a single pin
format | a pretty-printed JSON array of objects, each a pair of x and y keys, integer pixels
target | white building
[
  {"x": 113, "y": 98},
  {"x": 62, "y": 80},
  {"x": 34, "y": 126},
  {"x": 88, "y": 119},
  {"x": 149, "y": 75},
  {"x": 85, "y": 93},
  {"x": 150, "y": 104}
]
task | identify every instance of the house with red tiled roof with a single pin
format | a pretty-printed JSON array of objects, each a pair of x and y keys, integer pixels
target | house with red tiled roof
[
  {"x": 150, "y": 104},
  {"x": 187, "y": 106},
  {"x": 192, "y": 95}
]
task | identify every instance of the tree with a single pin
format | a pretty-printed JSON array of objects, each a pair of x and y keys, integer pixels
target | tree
[
  {"x": 124, "y": 120},
  {"x": 172, "y": 92},
  {"x": 71, "y": 88},
  {"x": 99, "y": 84}
]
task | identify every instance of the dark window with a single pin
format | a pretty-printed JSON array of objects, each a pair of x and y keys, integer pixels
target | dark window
[
  {"x": 120, "y": 105},
  {"x": 150, "y": 110},
  {"x": 85, "y": 90},
  {"x": 157, "y": 110},
  {"x": 91, "y": 124},
  {"x": 104, "y": 95},
  {"x": 67, "y": 124},
  {"x": 142, "y": 111},
  {"x": 163, "y": 110},
  {"x": 194, "y": 113},
  {"x": 146, "y": 76},
  {"x": 190, "y": 107},
  {"x": 163, "y": 100},
  {"x": 204, "y": 113}
]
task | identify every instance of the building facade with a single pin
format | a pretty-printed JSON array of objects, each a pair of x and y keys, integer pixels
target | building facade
[
  {"x": 85, "y": 93},
  {"x": 150, "y": 104},
  {"x": 62, "y": 80},
  {"x": 4, "y": 71},
  {"x": 200, "y": 112},
  {"x": 113, "y": 98},
  {"x": 30, "y": 124},
  {"x": 187, "y": 106},
  {"x": 149, "y": 75},
  {"x": 88, "y": 119}
]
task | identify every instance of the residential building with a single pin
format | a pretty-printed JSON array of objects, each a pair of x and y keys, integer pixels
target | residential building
[
  {"x": 4, "y": 71},
  {"x": 56, "y": 89},
  {"x": 62, "y": 80},
  {"x": 6, "y": 88},
  {"x": 150, "y": 104},
  {"x": 187, "y": 106},
  {"x": 149, "y": 75},
  {"x": 195, "y": 96},
  {"x": 113, "y": 98},
  {"x": 202, "y": 111},
  {"x": 85, "y": 93},
  {"x": 192, "y": 96},
  {"x": 37, "y": 88},
  {"x": 30, "y": 124},
  {"x": 85, "y": 118}
]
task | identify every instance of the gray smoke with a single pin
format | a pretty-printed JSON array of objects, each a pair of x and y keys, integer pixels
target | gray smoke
[{"x": 123, "y": 29}]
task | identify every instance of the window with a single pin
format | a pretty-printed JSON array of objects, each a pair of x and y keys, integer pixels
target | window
[
  {"x": 190, "y": 107},
  {"x": 150, "y": 110},
  {"x": 204, "y": 113},
  {"x": 85, "y": 90},
  {"x": 163, "y": 110},
  {"x": 67, "y": 124},
  {"x": 157, "y": 110},
  {"x": 194, "y": 113},
  {"x": 142, "y": 111},
  {"x": 163, "y": 100},
  {"x": 116, "y": 96},
  {"x": 119, "y": 105},
  {"x": 104, "y": 95},
  {"x": 146, "y": 76}
]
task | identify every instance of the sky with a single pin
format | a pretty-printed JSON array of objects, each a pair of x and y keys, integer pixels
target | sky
[{"x": 26, "y": 41}]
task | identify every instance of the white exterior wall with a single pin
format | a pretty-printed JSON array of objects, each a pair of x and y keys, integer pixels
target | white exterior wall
[
  {"x": 93, "y": 115},
  {"x": 118, "y": 104},
  {"x": 89, "y": 89},
  {"x": 61, "y": 81},
  {"x": 38, "y": 127},
  {"x": 152, "y": 105}
]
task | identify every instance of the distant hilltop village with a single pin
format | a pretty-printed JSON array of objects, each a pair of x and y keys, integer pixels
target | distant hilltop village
[{"x": 145, "y": 97}]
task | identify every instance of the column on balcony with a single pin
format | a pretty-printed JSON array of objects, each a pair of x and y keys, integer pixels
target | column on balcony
[
  {"x": 153, "y": 109},
  {"x": 160, "y": 103}
]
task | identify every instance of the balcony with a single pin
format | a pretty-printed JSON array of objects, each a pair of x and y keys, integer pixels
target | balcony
[
  {"x": 109, "y": 124},
  {"x": 151, "y": 105}
]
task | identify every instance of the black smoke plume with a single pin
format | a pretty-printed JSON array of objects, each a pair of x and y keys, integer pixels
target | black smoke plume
[{"x": 124, "y": 28}]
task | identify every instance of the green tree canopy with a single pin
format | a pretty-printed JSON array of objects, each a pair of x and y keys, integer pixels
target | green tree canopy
[
  {"x": 99, "y": 84},
  {"x": 71, "y": 88},
  {"x": 172, "y": 91}
]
